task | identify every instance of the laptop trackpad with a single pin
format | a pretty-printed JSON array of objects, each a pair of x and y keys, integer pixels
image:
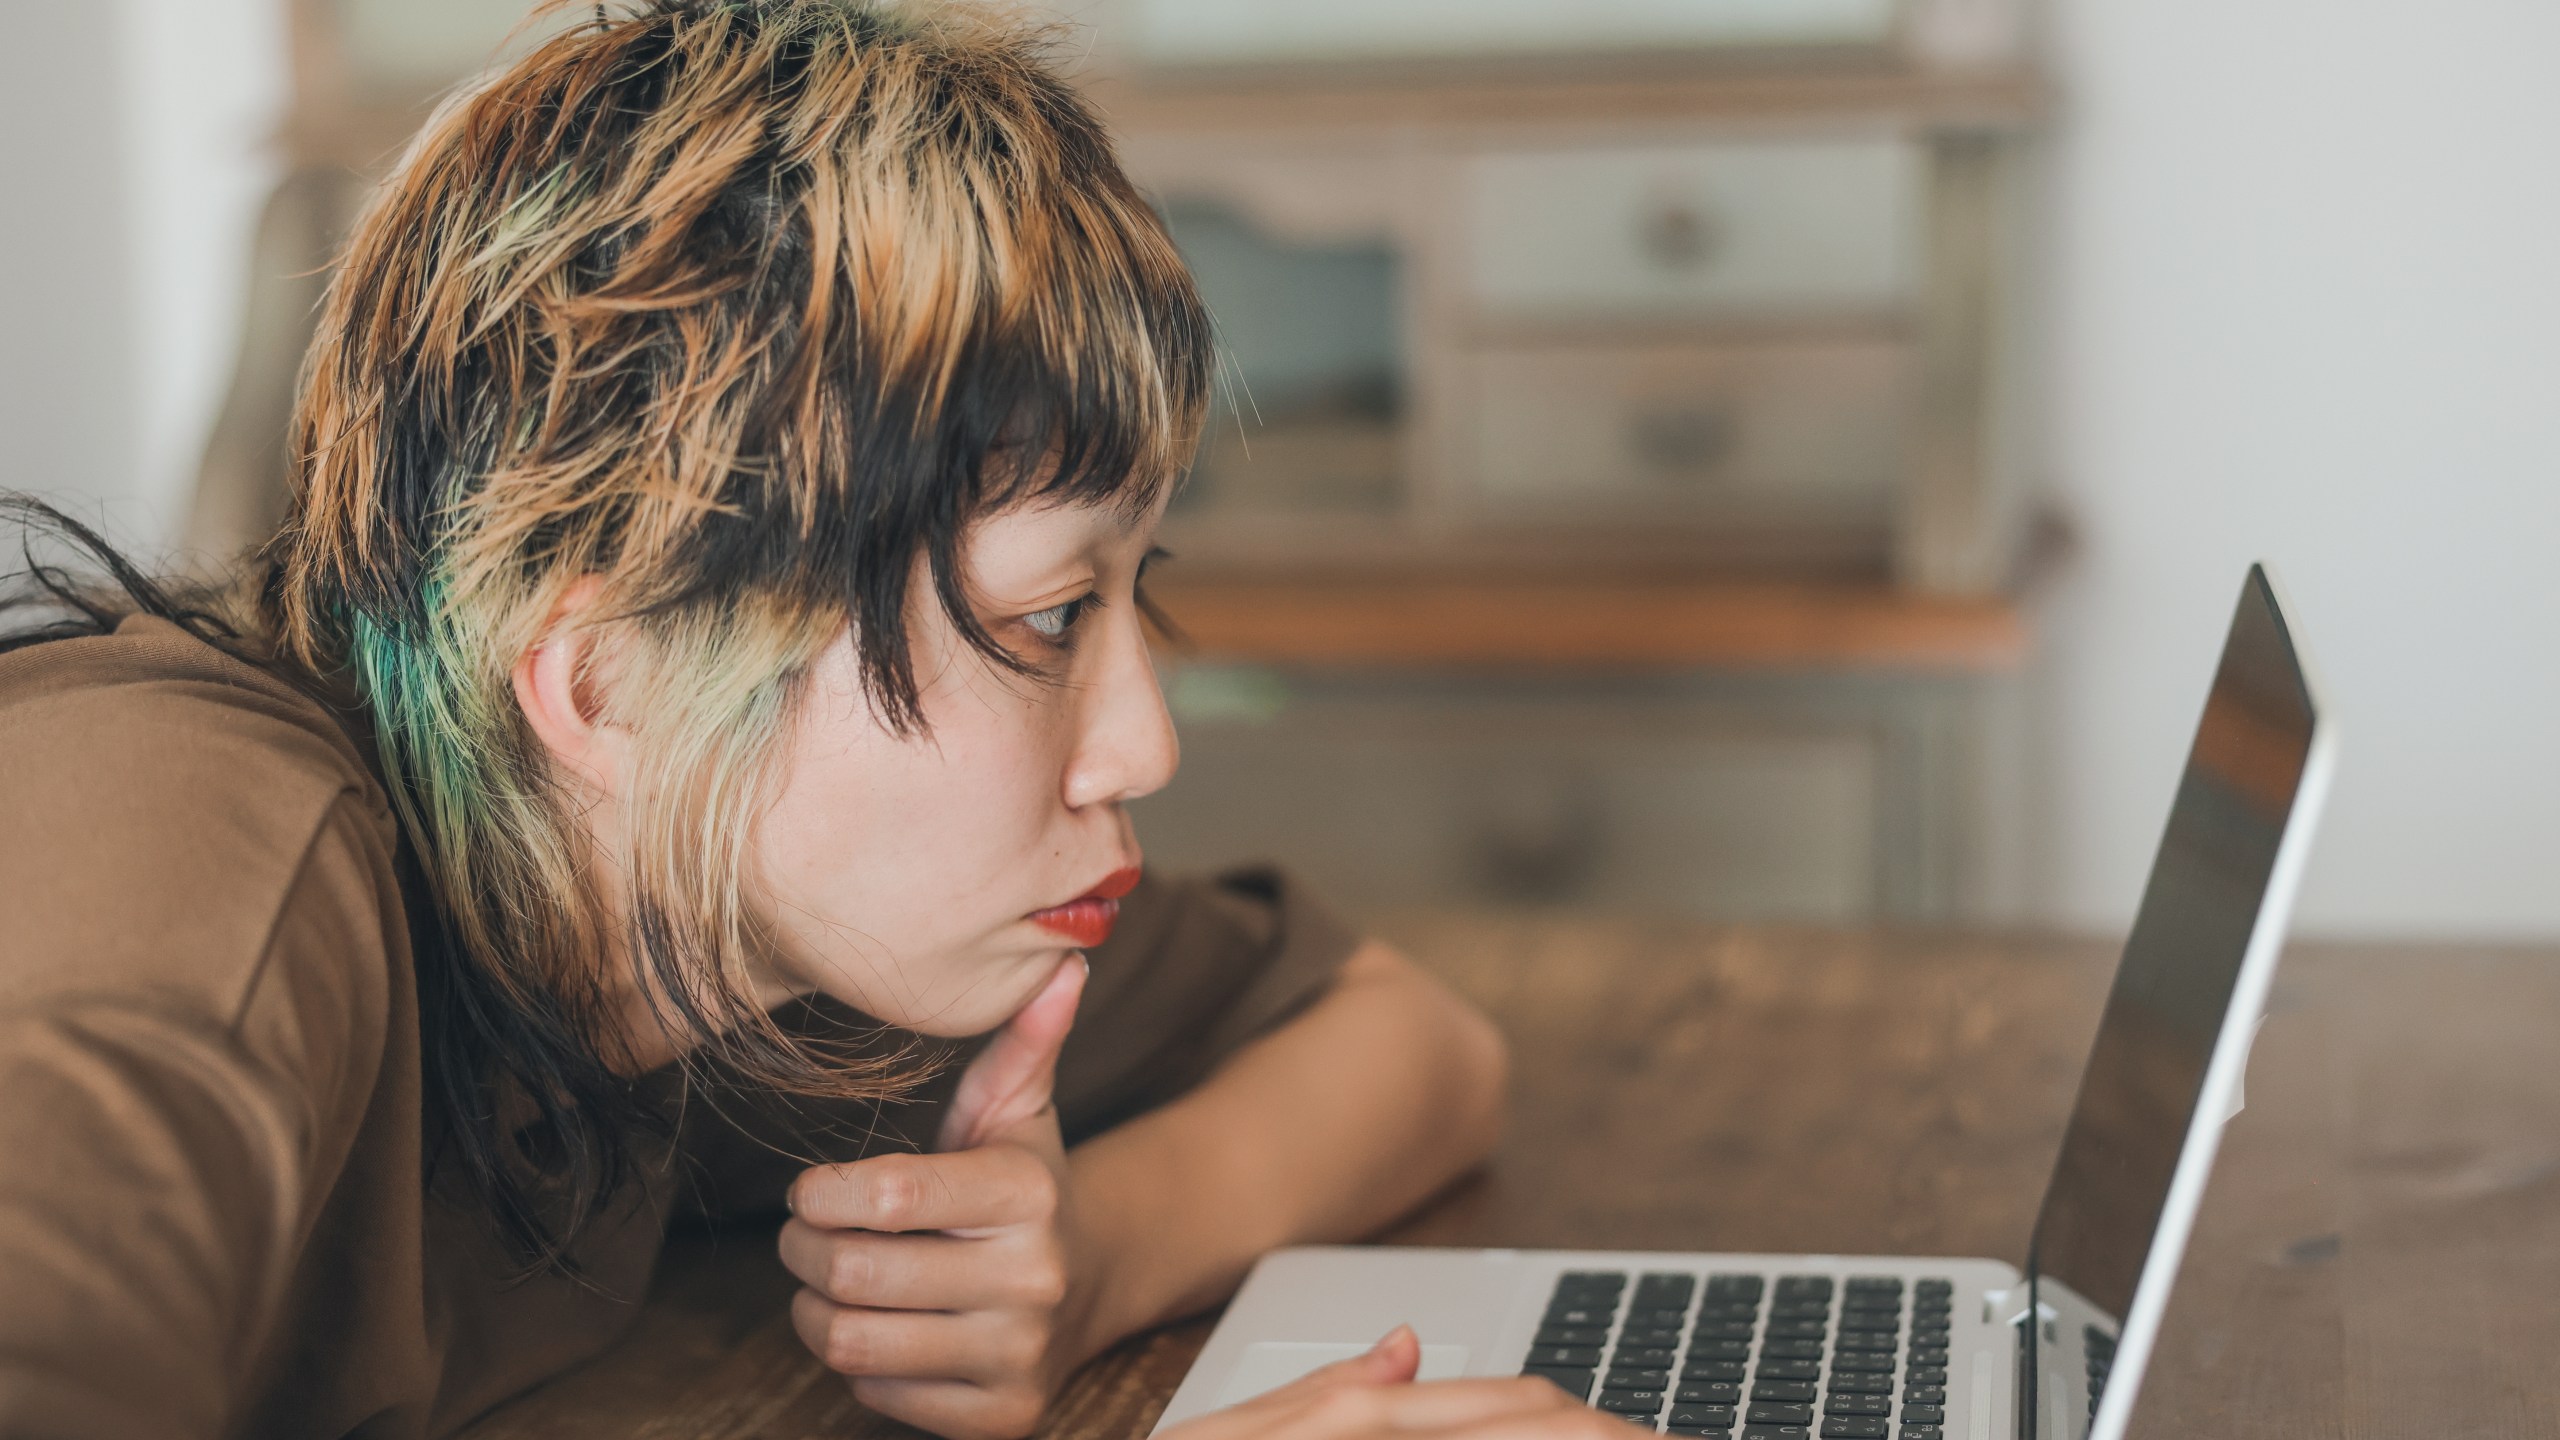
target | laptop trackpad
[{"x": 1270, "y": 1364}]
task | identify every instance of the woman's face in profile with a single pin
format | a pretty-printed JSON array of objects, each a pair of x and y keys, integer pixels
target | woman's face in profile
[{"x": 934, "y": 880}]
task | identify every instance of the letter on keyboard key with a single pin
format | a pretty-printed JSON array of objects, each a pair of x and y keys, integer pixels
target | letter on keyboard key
[
  {"x": 1852, "y": 1427},
  {"x": 1773, "y": 1413}
]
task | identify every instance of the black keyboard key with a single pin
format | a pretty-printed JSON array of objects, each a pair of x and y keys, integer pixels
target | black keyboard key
[
  {"x": 1632, "y": 1402},
  {"x": 1782, "y": 1390},
  {"x": 1789, "y": 1369},
  {"x": 1919, "y": 1432},
  {"x": 1637, "y": 1380},
  {"x": 1578, "y": 1357},
  {"x": 1644, "y": 1317},
  {"x": 1865, "y": 1342},
  {"x": 1792, "y": 1349},
  {"x": 1587, "y": 1281},
  {"x": 1576, "y": 1383},
  {"x": 1746, "y": 1286},
  {"x": 1719, "y": 1349},
  {"x": 1927, "y": 1306},
  {"x": 1801, "y": 1286},
  {"x": 1925, "y": 1375},
  {"x": 1776, "y": 1432},
  {"x": 1580, "y": 1315},
  {"x": 1859, "y": 1405},
  {"x": 1703, "y": 1417},
  {"x": 1644, "y": 1357},
  {"x": 1853, "y": 1427},
  {"x": 1861, "y": 1384},
  {"x": 1667, "y": 1289},
  {"x": 1925, "y": 1414},
  {"x": 1713, "y": 1432},
  {"x": 1925, "y": 1394},
  {"x": 1774, "y": 1413},
  {"x": 1881, "y": 1321},
  {"x": 1783, "y": 1308},
  {"x": 1863, "y": 1364},
  {"x": 1800, "y": 1328},
  {"x": 1928, "y": 1354},
  {"x": 1713, "y": 1371},
  {"x": 1572, "y": 1335},
  {"x": 1929, "y": 1334},
  {"x": 1722, "y": 1330},
  {"x": 1707, "y": 1392},
  {"x": 1939, "y": 1288},
  {"x": 1654, "y": 1337}
]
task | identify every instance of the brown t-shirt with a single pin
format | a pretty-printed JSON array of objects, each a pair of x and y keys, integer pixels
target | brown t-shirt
[{"x": 214, "y": 1216}]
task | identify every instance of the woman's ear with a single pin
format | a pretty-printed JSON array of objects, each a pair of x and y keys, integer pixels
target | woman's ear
[{"x": 553, "y": 689}]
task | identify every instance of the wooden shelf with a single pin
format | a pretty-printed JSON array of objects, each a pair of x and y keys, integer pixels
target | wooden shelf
[{"x": 1562, "y": 624}]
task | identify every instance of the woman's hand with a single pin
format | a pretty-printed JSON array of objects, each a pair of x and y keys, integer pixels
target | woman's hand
[
  {"x": 946, "y": 1286},
  {"x": 1368, "y": 1397}
]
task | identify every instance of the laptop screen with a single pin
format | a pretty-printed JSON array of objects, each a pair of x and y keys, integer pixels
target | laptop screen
[{"x": 2173, "y": 996}]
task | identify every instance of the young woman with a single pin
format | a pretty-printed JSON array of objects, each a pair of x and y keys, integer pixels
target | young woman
[{"x": 698, "y": 686}]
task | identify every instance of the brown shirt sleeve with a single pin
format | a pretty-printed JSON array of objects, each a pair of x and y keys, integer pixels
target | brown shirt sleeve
[
  {"x": 1195, "y": 970},
  {"x": 189, "y": 1027}
]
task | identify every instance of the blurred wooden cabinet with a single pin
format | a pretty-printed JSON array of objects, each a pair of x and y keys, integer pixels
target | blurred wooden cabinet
[{"x": 1699, "y": 314}]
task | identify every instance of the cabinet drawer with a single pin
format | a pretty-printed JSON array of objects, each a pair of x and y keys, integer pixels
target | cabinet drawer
[
  {"x": 1809, "y": 430},
  {"x": 1659, "y": 232},
  {"x": 1382, "y": 802}
]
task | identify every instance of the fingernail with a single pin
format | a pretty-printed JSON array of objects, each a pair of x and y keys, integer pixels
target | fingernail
[{"x": 1389, "y": 1338}]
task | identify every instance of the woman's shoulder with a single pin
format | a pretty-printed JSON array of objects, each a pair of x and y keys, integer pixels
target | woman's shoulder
[{"x": 172, "y": 819}]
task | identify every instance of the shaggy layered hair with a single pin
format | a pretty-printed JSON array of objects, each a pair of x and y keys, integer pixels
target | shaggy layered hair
[{"x": 744, "y": 309}]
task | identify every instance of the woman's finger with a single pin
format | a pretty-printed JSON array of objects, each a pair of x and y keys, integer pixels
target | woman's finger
[
  {"x": 914, "y": 1344},
  {"x": 1569, "y": 1421},
  {"x": 1442, "y": 1404},
  {"x": 994, "y": 1185},
  {"x": 1392, "y": 1361},
  {"x": 925, "y": 1271}
]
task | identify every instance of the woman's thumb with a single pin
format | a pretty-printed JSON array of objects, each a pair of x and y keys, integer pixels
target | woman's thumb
[{"x": 1015, "y": 1077}]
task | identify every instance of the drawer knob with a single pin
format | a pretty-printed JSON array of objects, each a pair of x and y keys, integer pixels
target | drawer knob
[
  {"x": 1678, "y": 236},
  {"x": 1680, "y": 441}
]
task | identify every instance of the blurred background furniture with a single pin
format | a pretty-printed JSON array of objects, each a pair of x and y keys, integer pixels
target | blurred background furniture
[
  {"x": 2375, "y": 1254},
  {"x": 1616, "y": 494}
]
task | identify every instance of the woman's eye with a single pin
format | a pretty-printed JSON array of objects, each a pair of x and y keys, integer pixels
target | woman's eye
[{"x": 1057, "y": 620}]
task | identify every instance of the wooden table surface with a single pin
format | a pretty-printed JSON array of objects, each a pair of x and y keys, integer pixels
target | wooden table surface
[{"x": 2379, "y": 1253}]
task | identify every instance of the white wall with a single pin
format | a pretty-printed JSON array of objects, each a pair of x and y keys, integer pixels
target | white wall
[
  {"x": 133, "y": 156},
  {"x": 66, "y": 315},
  {"x": 2305, "y": 304}
]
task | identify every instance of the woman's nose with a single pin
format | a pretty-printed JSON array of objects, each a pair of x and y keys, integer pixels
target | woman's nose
[{"x": 1127, "y": 747}]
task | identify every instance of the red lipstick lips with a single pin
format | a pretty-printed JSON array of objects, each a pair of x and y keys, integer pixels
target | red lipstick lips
[{"x": 1087, "y": 919}]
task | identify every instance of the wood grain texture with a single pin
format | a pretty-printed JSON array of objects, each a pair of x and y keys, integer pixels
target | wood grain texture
[
  {"x": 1587, "y": 624},
  {"x": 2379, "y": 1253}
]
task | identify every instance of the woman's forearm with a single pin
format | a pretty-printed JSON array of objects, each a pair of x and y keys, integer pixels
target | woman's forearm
[{"x": 1327, "y": 1128}]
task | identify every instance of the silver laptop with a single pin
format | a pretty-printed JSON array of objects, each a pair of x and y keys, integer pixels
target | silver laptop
[{"x": 1788, "y": 1347}]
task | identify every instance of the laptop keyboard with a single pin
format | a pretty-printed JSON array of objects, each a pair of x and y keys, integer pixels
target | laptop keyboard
[
  {"x": 2100, "y": 1348},
  {"x": 1798, "y": 1357}
]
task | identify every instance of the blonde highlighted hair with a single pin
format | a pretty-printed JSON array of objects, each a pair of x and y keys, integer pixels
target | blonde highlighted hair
[{"x": 745, "y": 309}]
